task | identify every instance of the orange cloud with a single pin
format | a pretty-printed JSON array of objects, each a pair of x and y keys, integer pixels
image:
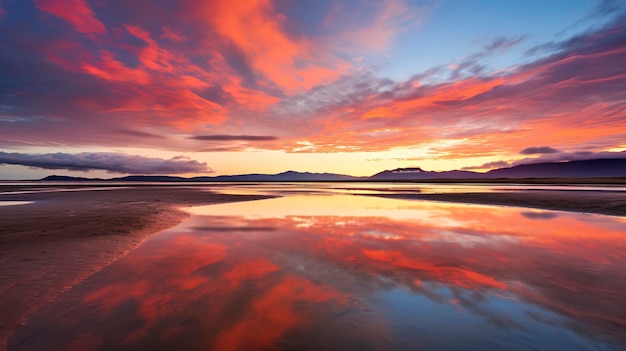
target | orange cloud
[{"x": 257, "y": 28}]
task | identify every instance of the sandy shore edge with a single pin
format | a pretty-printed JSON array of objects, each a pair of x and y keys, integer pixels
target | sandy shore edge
[
  {"x": 598, "y": 202},
  {"x": 62, "y": 238}
]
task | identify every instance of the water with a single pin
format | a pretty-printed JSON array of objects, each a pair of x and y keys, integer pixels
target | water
[
  {"x": 324, "y": 270},
  {"x": 361, "y": 188}
]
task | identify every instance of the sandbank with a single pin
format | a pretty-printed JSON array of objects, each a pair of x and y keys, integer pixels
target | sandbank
[{"x": 50, "y": 245}]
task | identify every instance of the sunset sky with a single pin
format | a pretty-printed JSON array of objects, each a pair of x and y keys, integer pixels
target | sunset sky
[{"x": 103, "y": 88}]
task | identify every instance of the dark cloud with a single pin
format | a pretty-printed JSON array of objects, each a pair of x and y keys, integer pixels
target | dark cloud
[
  {"x": 216, "y": 95},
  {"x": 224, "y": 137},
  {"x": 234, "y": 229},
  {"x": 138, "y": 134},
  {"x": 473, "y": 66},
  {"x": 502, "y": 43},
  {"x": 110, "y": 162},
  {"x": 539, "y": 150},
  {"x": 223, "y": 149},
  {"x": 539, "y": 215}
]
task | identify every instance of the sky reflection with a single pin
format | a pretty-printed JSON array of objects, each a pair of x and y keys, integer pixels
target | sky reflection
[{"x": 351, "y": 272}]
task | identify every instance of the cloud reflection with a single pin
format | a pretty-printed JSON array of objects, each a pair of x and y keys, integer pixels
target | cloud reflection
[{"x": 322, "y": 279}]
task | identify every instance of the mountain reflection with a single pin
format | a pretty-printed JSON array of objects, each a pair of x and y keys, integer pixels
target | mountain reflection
[{"x": 350, "y": 272}]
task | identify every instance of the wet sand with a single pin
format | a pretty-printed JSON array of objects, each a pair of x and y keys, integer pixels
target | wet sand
[
  {"x": 63, "y": 237},
  {"x": 601, "y": 202}
]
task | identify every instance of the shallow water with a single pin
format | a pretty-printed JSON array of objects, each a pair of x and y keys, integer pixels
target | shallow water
[{"x": 314, "y": 271}]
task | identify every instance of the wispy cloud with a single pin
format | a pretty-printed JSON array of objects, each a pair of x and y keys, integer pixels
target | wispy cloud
[
  {"x": 75, "y": 12},
  {"x": 223, "y": 137},
  {"x": 539, "y": 150},
  {"x": 110, "y": 162}
]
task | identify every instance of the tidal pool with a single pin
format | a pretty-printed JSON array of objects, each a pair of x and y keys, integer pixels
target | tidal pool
[{"x": 341, "y": 272}]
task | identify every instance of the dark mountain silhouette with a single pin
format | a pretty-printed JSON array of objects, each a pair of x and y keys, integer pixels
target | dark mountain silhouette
[
  {"x": 418, "y": 173},
  {"x": 289, "y": 176},
  {"x": 151, "y": 178},
  {"x": 572, "y": 169},
  {"x": 614, "y": 167},
  {"x": 59, "y": 178}
]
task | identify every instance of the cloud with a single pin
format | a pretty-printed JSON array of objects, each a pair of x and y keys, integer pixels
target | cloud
[
  {"x": 76, "y": 12},
  {"x": 488, "y": 165},
  {"x": 110, "y": 162},
  {"x": 580, "y": 85},
  {"x": 138, "y": 134},
  {"x": 385, "y": 19},
  {"x": 223, "y": 137},
  {"x": 539, "y": 215},
  {"x": 502, "y": 43},
  {"x": 125, "y": 70},
  {"x": 539, "y": 150},
  {"x": 222, "y": 149}
]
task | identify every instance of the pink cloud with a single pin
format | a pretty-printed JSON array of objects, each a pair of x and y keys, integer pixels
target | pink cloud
[
  {"x": 76, "y": 12},
  {"x": 247, "y": 69}
]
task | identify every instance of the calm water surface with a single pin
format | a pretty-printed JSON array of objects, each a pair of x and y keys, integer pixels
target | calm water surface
[{"x": 340, "y": 272}]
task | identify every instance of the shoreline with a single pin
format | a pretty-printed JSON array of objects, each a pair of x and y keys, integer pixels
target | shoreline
[
  {"x": 50, "y": 245},
  {"x": 604, "y": 203},
  {"x": 599, "y": 181},
  {"x": 63, "y": 237}
]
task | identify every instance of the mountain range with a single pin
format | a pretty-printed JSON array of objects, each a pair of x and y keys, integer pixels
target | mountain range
[{"x": 571, "y": 169}]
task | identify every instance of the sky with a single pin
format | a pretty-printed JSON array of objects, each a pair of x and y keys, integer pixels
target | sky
[{"x": 104, "y": 88}]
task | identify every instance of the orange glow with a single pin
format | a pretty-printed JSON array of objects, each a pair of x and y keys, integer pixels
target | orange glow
[
  {"x": 249, "y": 270},
  {"x": 273, "y": 314},
  {"x": 459, "y": 277},
  {"x": 111, "y": 69}
]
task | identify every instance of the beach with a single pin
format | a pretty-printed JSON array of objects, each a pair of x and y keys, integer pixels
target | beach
[
  {"x": 62, "y": 237},
  {"x": 48, "y": 246}
]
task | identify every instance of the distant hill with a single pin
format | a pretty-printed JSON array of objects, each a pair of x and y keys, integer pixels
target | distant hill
[
  {"x": 58, "y": 178},
  {"x": 147, "y": 178},
  {"x": 614, "y": 167},
  {"x": 572, "y": 169},
  {"x": 289, "y": 176},
  {"x": 418, "y": 173}
]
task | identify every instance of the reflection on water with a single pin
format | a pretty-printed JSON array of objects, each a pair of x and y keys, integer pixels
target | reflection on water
[
  {"x": 374, "y": 188},
  {"x": 354, "y": 273}
]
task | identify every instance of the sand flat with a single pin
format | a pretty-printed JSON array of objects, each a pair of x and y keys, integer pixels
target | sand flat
[{"x": 48, "y": 246}]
